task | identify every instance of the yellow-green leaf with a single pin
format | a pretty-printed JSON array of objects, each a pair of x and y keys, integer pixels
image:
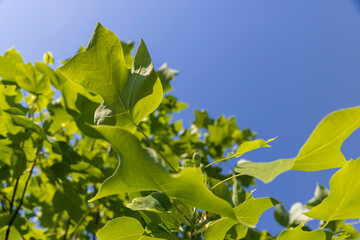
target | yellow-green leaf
[{"x": 343, "y": 200}]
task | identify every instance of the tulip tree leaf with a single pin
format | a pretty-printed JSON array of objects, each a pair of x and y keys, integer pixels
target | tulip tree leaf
[
  {"x": 344, "y": 197},
  {"x": 298, "y": 234},
  {"x": 217, "y": 229},
  {"x": 266, "y": 171},
  {"x": 124, "y": 228},
  {"x": 156, "y": 202},
  {"x": 129, "y": 94},
  {"x": 252, "y": 145},
  {"x": 322, "y": 149},
  {"x": 247, "y": 213},
  {"x": 8, "y": 63},
  {"x": 139, "y": 170}
]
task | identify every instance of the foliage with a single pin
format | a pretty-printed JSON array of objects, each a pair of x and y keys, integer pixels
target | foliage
[{"x": 90, "y": 149}]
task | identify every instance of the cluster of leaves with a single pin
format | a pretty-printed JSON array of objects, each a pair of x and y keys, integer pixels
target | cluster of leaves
[{"x": 90, "y": 150}]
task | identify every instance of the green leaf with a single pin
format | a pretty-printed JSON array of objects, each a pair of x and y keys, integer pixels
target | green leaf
[
  {"x": 217, "y": 229},
  {"x": 322, "y": 149},
  {"x": 296, "y": 214},
  {"x": 266, "y": 171},
  {"x": 14, "y": 234},
  {"x": 32, "y": 80},
  {"x": 156, "y": 202},
  {"x": 8, "y": 63},
  {"x": 245, "y": 147},
  {"x": 252, "y": 145},
  {"x": 344, "y": 197},
  {"x": 124, "y": 228},
  {"x": 319, "y": 195},
  {"x": 281, "y": 215},
  {"x": 166, "y": 75},
  {"x": 251, "y": 210},
  {"x": 140, "y": 170},
  {"x": 247, "y": 213},
  {"x": 298, "y": 234},
  {"x": 129, "y": 95},
  {"x": 349, "y": 229},
  {"x": 48, "y": 58},
  {"x": 238, "y": 231}
]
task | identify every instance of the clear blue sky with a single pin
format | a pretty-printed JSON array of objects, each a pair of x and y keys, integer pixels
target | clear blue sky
[{"x": 279, "y": 66}]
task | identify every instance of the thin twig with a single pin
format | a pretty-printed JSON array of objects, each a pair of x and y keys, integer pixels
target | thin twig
[
  {"x": 21, "y": 202},
  {"x": 220, "y": 160},
  {"x": 67, "y": 228},
  {"x": 225, "y": 180},
  {"x": 23, "y": 193},
  {"x": 14, "y": 193},
  {"x": 81, "y": 220},
  {"x": 4, "y": 196},
  {"x": 156, "y": 148}
]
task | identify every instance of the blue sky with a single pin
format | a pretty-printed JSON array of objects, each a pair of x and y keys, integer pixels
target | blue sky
[{"x": 279, "y": 66}]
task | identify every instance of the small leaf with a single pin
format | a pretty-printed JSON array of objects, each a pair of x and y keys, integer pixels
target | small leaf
[
  {"x": 166, "y": 74},
  {"x": 156, "y": 202},
  {"x": 319, "y": 195},
  {"x": 48, "y": 58},
  {"x": 281, "y": 215},
  {"x": 252, "y": 145}
]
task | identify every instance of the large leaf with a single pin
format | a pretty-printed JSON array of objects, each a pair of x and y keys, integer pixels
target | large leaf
[
  {"x": 344, "y": 198},
  {"x": 322, "y": 149},
  {"x": 129, "y": 95},
  {"x": 298, "y": 234},
  {"x": 140, "y": 170}
]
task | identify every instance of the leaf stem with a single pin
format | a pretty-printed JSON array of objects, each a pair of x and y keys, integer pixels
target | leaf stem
[
  {"x": 220, "y": 160},
  {"x": 225, "y": 180},
  {"x": 156, "y": 148}
]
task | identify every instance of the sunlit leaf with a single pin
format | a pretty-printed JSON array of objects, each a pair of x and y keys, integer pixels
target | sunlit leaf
[
  {"x": 139, "y": 170},
  {"x": 129, "y": 95},
  {"x": 343, "y": 199}
]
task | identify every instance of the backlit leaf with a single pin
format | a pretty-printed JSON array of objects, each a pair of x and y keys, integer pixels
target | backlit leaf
[
  {"x": 343, "y": 200},
  {"x": 129, "y": 95},
  {"x": 139, "y": 170}
]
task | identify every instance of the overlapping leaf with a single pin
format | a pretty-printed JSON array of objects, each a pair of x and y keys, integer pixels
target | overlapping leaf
[
  {"x": 247, "y": 213},
  {"x": 321, "y": 151},
  {"x": 298, "y": 234},
  {"x": 139, "y": 170},
  {"x": 344, "y": 198},
  {"x": 129, "y": 95}
]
